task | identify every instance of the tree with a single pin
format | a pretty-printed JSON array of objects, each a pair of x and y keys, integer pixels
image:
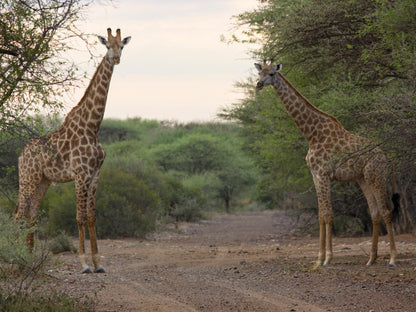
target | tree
[
  {"x": 34, "y": 35},
  {"x": 218, "y": 164},
  {"x": 193, "y": 154}
]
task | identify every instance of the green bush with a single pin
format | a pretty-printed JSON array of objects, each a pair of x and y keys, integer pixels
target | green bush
[
  {"x": 62, "y": 242},
  {"x": 125, "y": 205},
  {"x": 13, "y": 250},
  {"x": 60, "y": 207},
  {"x": 189, "y": 204}
]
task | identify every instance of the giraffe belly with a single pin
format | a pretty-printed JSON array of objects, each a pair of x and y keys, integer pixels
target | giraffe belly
[
  {"x": 347, "y": 171},
  {"x": 58, "y": 176},
  {"x": 57, "y": 169}
]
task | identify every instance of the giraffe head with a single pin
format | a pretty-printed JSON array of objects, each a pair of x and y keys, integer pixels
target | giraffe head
[
  {"x": 114, "y": 45},
  {"x": 267, "y": 73}
]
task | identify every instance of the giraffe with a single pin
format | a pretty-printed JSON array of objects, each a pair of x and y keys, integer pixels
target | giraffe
[
  {"x": 335, "y": 154},
  {"x": 72, "y": 153}
]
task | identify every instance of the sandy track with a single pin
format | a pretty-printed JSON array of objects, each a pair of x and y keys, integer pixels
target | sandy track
[{"x": 243, "y": 262}]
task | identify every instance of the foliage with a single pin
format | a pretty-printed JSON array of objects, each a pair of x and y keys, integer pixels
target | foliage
[
  {"x": 127, "y": 206},
  {"x": 221, "y": 159},
  {"x": 60, "y": 243},
  {"x": 353, "y": 59},
  {"x": 192, "y": 154},
  {"x": 59, "y": 207},
  {"x": 21, "y": 272},
  {"x": 34, "y": 37}
]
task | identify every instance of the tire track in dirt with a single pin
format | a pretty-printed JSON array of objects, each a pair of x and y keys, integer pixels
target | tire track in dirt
[{"x": 242, "y": 262}]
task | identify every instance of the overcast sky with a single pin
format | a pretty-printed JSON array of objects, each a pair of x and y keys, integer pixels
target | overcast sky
[{"x": 175, "y": 66}]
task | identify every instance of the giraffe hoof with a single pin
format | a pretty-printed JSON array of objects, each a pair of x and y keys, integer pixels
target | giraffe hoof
[
  {"x": 318, "y": 265},
  {"x": 86, "y": 271},
  {"x": 100, "y": 270}
]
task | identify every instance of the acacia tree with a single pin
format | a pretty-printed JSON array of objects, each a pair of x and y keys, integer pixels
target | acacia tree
[
  {"x": 34, "y": 72},
  {"x": 353, "y": 59}
]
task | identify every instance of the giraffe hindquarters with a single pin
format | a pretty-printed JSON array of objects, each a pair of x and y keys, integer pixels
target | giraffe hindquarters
[
  {"x": 378, "y": 204},
  {"x": 28, "y": 203}
]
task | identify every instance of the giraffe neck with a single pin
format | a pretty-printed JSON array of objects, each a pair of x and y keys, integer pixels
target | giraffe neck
[
  {"x": 311, "y": 121},
  {"x": 87, "y": 116}
]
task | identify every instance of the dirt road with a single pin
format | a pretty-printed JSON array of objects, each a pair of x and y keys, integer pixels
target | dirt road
[{"x": 243, "y": 262}]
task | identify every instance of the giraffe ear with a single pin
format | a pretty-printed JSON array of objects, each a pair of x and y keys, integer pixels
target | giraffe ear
[
  {"x": 126, "y": 40},
  {"x": 278, "y": 67},
  {"x": 102, "y": 40},
  {"x": 258, "y": 66}
]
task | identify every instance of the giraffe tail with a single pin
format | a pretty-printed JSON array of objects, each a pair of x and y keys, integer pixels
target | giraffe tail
[
  {"x": 395, "y": 199},
  {"x": 396, "y": 206}
]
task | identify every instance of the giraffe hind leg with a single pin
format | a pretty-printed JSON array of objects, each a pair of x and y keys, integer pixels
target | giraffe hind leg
[
  {"x": 378, "y": 204},
  {"x": 375, "y": 218},
  {"x": 28, "y": 203}
]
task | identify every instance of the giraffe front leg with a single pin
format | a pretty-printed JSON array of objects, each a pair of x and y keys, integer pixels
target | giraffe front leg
[
  {"x": 322, "y": 187},
  {"x": 94, "y": 248},
  {"x": 91, "y": 225},
  {"x": 82, "y": 195},
  {"x": 328, "y": 254},
  {"x": 322, "y": 244},
  {"x": 81, "y": 248}
]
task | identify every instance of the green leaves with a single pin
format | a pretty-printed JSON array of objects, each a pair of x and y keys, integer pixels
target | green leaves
[{"x": 34, "y": 35}]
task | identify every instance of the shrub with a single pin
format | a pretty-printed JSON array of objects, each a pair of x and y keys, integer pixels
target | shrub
[
  {"x": 62, "y": 242},
  {"x": 189, "y": 204},
  {"x": 125, "y": 205},
  {"x": 60, "y": 206}
]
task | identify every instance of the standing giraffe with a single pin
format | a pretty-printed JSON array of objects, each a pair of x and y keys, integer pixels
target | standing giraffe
[
  {"x": 72, "y": 152},
  {"x": 335, "y": 154}
]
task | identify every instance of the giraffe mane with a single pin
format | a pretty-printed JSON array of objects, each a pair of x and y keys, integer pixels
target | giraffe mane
[{"x": 308, "y": 102}]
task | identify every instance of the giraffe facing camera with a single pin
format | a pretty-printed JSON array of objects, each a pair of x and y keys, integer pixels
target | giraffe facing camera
[{"x": 72, "y": 153}]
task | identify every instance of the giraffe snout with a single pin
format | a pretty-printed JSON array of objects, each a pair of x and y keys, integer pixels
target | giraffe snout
[{"x": 260, "y": 85}]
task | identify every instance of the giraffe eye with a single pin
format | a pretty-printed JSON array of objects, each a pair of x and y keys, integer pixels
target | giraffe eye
[{"x": 271, "y": 74}]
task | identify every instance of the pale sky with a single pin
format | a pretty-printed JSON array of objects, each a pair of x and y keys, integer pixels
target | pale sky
[{"x": 175, "y": 66}]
